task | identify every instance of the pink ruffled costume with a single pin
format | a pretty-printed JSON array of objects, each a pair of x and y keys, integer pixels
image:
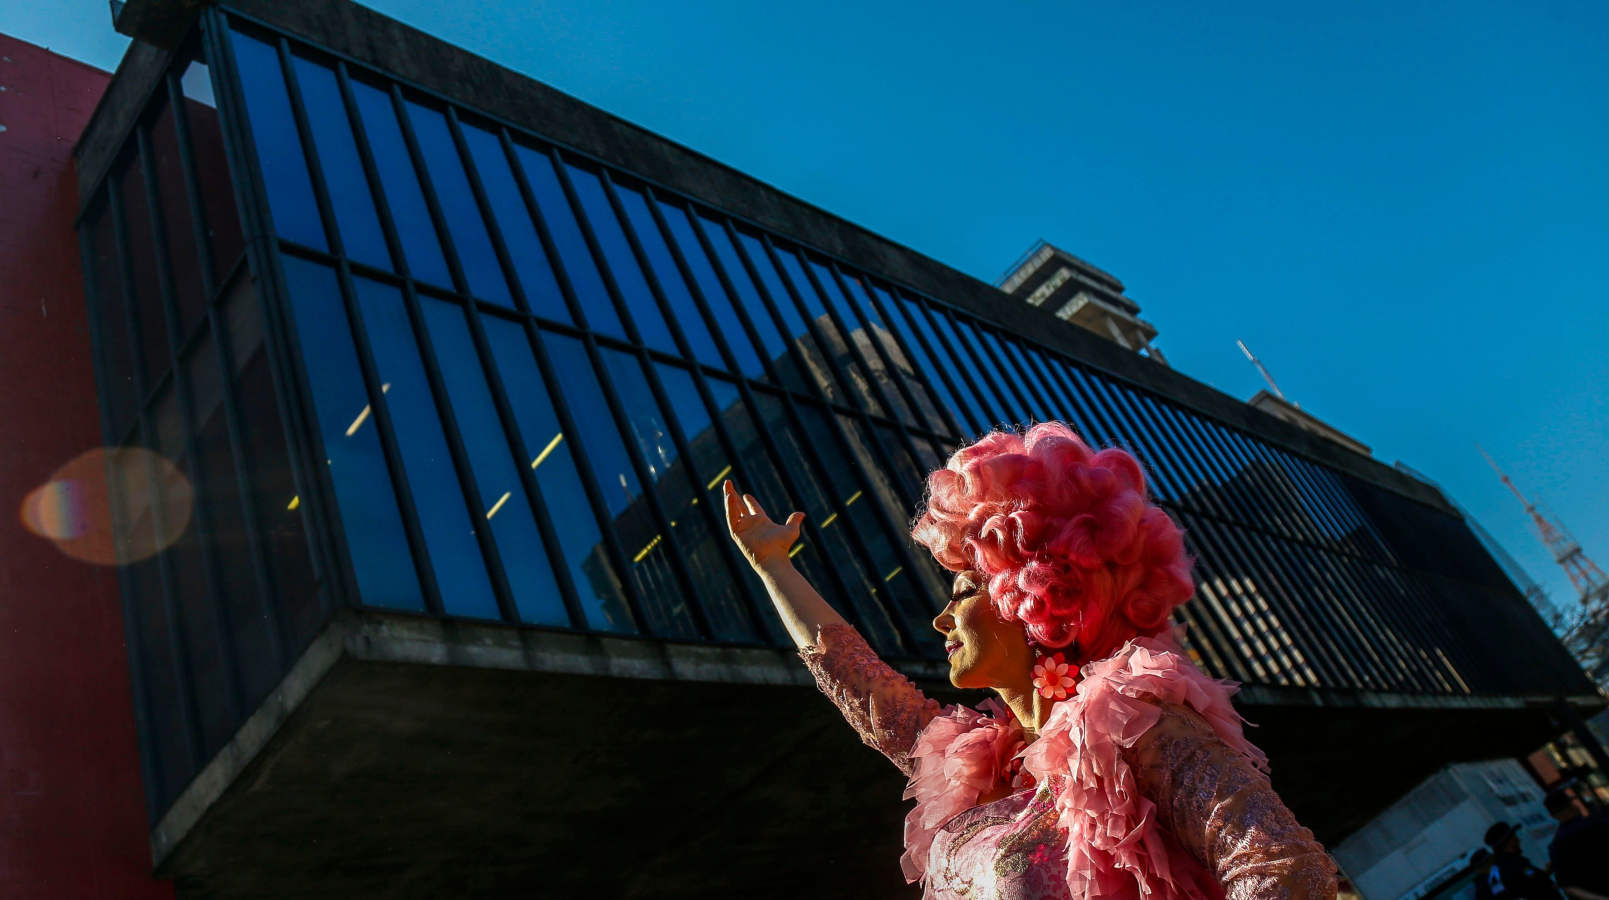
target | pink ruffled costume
[{"x": 1141, "y": 785}]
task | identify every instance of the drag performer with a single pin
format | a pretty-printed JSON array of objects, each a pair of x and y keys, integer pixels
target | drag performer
[{"x": 1109, "y": 766}]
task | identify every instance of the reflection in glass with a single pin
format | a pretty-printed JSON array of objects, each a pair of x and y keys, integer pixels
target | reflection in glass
[
  {"x": 111, "y": 311},
  {"x": 502, "y": 494},
  {"x": 687, "y": 497},
  {"x": 400, "y": 184},
  {"x": 715, "y": 296},
  {"x": 683, "y": 309},
  {"x": 211, "y": 168},
  {"x": 621, "y": 261},
  {"x": 173, "y": 203},
  {"x": 797, "y": 333},
  {"x": 448, "y": 523},
  {"x": 649, "y": 564},
  {"x": 348, "y": 187},
  {"x": 146, "y": 293},
  {"x": 476, "y": 258},
  {"x": 568, "y": 243},
  {"x": 603, "y": 600},
  {"x": 371, "y": 521},
  {"x": 514, "y": 221},
  {"x": 279, "y": 150}
]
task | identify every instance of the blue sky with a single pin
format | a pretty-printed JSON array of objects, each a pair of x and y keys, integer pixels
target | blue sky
[{"x": 1403, "y": 208}]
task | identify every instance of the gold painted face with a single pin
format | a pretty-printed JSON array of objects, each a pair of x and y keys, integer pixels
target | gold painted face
[{"x": 985, "y": 650}]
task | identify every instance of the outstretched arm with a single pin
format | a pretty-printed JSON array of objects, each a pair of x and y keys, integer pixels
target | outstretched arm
[{"x": 883, "y": 707}]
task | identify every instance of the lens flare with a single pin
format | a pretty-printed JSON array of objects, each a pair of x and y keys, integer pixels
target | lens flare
[{"x": 111, "y": 506}]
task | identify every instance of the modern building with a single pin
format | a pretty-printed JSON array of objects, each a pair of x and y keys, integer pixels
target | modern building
[{"x": 434, "y": 374}]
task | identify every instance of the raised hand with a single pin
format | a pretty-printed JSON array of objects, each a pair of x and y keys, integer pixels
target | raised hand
[{"x": 762, "y": 541}]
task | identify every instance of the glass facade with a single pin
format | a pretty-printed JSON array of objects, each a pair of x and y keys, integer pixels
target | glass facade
[{"x": 459, "y": 371}]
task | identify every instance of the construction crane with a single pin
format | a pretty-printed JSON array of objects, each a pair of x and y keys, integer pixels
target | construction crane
[{"x": 1586, "y": 635}]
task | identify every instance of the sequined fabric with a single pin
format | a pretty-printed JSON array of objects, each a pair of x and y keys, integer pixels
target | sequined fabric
[{"x": 1140, "y": 785}]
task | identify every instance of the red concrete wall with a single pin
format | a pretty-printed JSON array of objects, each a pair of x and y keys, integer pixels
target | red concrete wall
[{"x": 72, "y": 809}]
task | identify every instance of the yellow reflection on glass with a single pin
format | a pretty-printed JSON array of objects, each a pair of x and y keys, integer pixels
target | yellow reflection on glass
[
  {"x": 548, "y": 449},
  {"x": 717, "y": 479}
]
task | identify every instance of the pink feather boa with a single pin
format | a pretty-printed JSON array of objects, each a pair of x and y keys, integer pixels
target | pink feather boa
[{"x": 1116, "y": 848}]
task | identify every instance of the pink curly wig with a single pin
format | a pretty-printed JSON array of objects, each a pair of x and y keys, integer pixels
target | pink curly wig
[{"x": 1069, "y": 544}]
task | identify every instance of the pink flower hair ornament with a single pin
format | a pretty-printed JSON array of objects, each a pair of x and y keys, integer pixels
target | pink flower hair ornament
[{"x": 1054, "y": 677}]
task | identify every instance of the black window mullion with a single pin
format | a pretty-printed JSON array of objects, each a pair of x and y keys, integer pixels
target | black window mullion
[
  {"x": 260, "y": 256},
  {"x": 1216, "y": 462},
  {"x": 970, "y": 402},
  {"x": 561, "y": 408},
  {"x": 893, "y": 315},
  {"x": 569, "y": 592},
  {"x": 984, "y": 363},
  {"x": 1061, "y": 390},
  {"x": 757, "y": 616},
  {"x": 982, "y": 395},
  {"x": 1241, "y": 607},
  {"x": 1010, "y": 371},
  {"x": 612, "y": 396},
  {"x": 138, "y": 682},
  {"x": 384, "y": 428},
  {"x": 1017, "y": 353},
  {"x": 1406, "y": 632},
  {"x": 884, "y": 342},
  {"x": 796, "y": 421},
  {"x": 1120, "y": 402},
  {"x": 201, "y": 515},
  {"x": 508, "y": 608},
  {"x": 1262, "y": 470},
  {"x": 1238, "y": 648},
  {"x": 184, "y": 670},
  {"x": 233, "y": 418},
  {"x": 1203, "y": 496}
]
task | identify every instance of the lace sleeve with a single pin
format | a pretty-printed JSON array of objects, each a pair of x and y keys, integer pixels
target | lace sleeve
[
  {"x": 883, "y": 707},
  {"x": 1223, "y": 809}
]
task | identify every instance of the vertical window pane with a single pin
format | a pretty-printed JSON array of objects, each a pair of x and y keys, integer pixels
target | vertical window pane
[
  {"x": 682, "y": 307},
  {"x": 979, "y": 357},
  {"x": 251, "y": 628},
  {"x": 796, "y": 332},
  {"x": 279, "y": 150},
  {"x": 514, "y": 221},
  {"x": 449, "y": 528},
  {"x": 370, "y": 519},
  {"x": 622, "y": 263},
  {"x": 274, "y": 491},
  {"x": 839, "y": 344},
  {"x": 681, "y": 491},
  {"x": 110, "y": 309},
  {"x": 580, "y": 542},
  {"x": 476, "y": 257},
  {"x": 903, "y": 371},
  {"x": 648, "y": 558},
  {"x": 212, "y": 167},
  {"x": 574, "y": 257},
  {"x": 355, "y": 215},
  {"x": 726, "y": 318},
  {"x": 401, "y": 184},
  {"x": 968, "y": 408},
  {"x": 502, "y": 494},
  {"x": 157, "y": 640},
  {"x": 147, "y": 287},
  {"x": 173, "y": 200}
]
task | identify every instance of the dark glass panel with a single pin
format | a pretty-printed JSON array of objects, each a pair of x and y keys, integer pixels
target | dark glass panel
[
  {"x": 649, "y": 560},
  {"x": 473, "y": 243},
  {"x": 967, "y": 360},
  {"x": 147, "y": 288},
  {"x": 514, "y": 221},
  {"x": 681, "y": 490},
  {"x": 580, "y": 542},
  {"x": 251, "y": 628},
  {"x": 361, "y": 237},
  {"x": 682, "y": 306},
  {"x": 447, "y": 520},
  {"x": 967, "y": 409},
  {"x": 370, "y": 519},
  {"x": 840, "y": 344},
  {"x": 173, "y": 202},
  {"x": 403, "y": 196},
  {"x": 111, "y": 309},
  {"x": 200, "y": 621},
  {"x": 841, "y": 536},
  {"x": 575, "y": 259},
  {"x": 212, "y": 167},
  {"x": 893, "y": 367},
  {"x": 157, "y": 643},
  {"x": 279, "y": 150},
  {"x": 990, "y": 369},
  {"x": 622, "y": 263},
  {"x": 502, "y": 494},
  {"x": 275, "y": 494},
  {"x": 720, "y": 305},
  {"x": 1015, "y": 373},
  {"x": 710, "y": 467},
  {"x": 796, "y": 332}
]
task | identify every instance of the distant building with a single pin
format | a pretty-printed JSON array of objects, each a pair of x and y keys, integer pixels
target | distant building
[{"x": 447, "y": 368}]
